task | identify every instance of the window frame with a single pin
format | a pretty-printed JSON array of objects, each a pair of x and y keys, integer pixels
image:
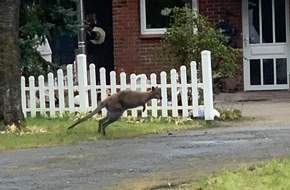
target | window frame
[{"x": 157, "y": 31}]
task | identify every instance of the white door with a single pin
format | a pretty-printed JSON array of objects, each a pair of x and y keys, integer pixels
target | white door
[{"x": 266, "y": 44}]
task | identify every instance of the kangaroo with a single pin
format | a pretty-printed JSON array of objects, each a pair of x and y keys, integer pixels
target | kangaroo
[{"x": 117, "y": 103}]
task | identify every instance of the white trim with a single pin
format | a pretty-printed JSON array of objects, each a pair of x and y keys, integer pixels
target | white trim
[
  {"x": 144, "y": 30},
  {"x": 264, "y": 50},
  {"x": 195, "y": 5},
  {"x": 287, "y": 40}
]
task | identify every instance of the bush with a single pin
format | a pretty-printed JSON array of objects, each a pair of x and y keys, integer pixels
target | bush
[{"x": 189, "y": 34}]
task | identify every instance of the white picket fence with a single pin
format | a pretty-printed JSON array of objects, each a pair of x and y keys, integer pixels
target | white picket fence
[{"x": 55, "y": 95}]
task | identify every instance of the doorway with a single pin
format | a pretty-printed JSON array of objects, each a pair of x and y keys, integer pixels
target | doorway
[
  {"x": 266, "y": 44},
  {"x": 102, "y": 10}
]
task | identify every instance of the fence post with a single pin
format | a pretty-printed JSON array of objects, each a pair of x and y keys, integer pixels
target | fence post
[
  {"x": 82, "y": 82},
  {"x": 207, "y": 85}
]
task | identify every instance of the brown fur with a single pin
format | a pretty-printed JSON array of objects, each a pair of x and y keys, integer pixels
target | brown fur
[{"x": 117, "y": 103}]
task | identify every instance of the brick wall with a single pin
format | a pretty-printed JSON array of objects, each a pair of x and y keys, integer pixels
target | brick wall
[
  {"x": 231, "y": 10},
  {"x": 134, "y": 53}
]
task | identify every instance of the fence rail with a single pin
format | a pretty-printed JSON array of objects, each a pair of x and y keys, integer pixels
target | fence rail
[{"x": 56, "y": 95}]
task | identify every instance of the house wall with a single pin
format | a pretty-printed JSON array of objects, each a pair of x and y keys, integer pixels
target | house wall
[
  {"x": 133, "y": 53},
  {"x": 231, "y": 10}
]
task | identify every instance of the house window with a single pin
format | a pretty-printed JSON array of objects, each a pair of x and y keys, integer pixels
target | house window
[{"x": 152, "y": 22}]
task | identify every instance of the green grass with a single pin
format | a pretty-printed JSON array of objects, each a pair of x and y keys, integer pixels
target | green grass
[
  {"x": 43, "y": 132},
  {"x": 274, "y": 175}
]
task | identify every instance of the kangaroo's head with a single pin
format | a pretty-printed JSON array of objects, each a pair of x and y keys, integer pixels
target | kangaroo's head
[{"x": 156, "y": 93}]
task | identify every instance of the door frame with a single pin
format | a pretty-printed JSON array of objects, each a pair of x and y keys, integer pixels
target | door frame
[{"x": 283, "y": 49}]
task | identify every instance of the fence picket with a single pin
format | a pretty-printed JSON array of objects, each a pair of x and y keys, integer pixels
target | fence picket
[
  {"x": 51, "y": 94},
  {"x": 174, "y": 93},
  {"x": 123, "y": 87},
  {"x": 70, "y": 88},
  {"x": 60, "y": 87},
  {"x": 41, "y": 94},
  {"x": 103, "y": 87},
  {"x": 154, "y": 101},
  {"x": 113, "y": 81},
  {"x": 133, "y": 87},
  {"x": 184, "y": 91},
  {"x": 23, "y": 97},
  {"x": 163, "y": 78},
  {"x": 93, "y": 86},
  {"x": 194, "y": 89},
  {"x": 143, "y": 88},
  {"x": 32, "y": 98}
]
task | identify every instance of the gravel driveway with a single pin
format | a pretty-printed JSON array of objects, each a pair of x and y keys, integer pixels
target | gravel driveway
[{"x": 150, "y": 161}]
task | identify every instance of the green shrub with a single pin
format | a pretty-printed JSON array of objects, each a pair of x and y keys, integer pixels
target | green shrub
[
  {"x": 189, "y": 34},
  {"x": 230, "y": 114}
]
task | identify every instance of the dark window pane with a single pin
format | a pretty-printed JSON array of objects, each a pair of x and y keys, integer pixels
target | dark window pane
[
  {"x": 154, "y": 19},
  {"x": 255, "y": 72},
  {"x": 267, "y": 22},
  {"x": 268, "y": 71},
  {"x": 281, "y": 70},
  {"x": 254, "y": 22},
  {"x": 280, "y": 21}
]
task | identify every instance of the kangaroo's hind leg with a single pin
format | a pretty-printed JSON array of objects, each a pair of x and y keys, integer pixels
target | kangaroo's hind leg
[
  {"x": 111, "y": 117},
  {"x": 101, "y": 122}
]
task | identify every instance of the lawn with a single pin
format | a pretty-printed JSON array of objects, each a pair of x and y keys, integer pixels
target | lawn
[
  {"x": 43, "y": 132},
  {"x": 273, "y": 175}
]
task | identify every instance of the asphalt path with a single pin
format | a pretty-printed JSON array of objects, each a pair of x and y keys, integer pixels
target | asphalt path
[{"x": 143, "y": 162}]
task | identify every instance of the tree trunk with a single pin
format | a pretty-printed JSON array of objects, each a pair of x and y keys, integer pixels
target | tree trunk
[{"x": 10, "y": 69}]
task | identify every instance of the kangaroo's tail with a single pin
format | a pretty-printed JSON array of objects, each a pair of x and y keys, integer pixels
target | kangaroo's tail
[{"x": 86, "y": 117}]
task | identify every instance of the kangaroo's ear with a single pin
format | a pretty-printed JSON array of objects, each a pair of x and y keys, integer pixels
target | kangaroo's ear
[{"x": 154, "y": 88}]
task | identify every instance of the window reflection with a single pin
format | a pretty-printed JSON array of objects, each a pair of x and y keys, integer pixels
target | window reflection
[
  {"x": 255, "y": 72},
  {"x": 154, "y": 19},
  {"x": 254, "y": 22},
  {"x": 281, "y": 69},
  {"x": 280, "y": 21},
  {"x": 268, "y": 71},
  {"x": 267, "y": 21}
]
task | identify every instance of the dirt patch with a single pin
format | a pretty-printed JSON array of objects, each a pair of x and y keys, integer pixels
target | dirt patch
[{"x": 260, "y": 113}]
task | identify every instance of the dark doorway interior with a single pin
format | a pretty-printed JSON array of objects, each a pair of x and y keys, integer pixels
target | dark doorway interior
[
  {"x": 63, "y": 48},
  {"x": 102, "y": 10}
]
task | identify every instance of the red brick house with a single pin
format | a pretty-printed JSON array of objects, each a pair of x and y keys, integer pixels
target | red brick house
[{"x": 262, "y": 31}]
